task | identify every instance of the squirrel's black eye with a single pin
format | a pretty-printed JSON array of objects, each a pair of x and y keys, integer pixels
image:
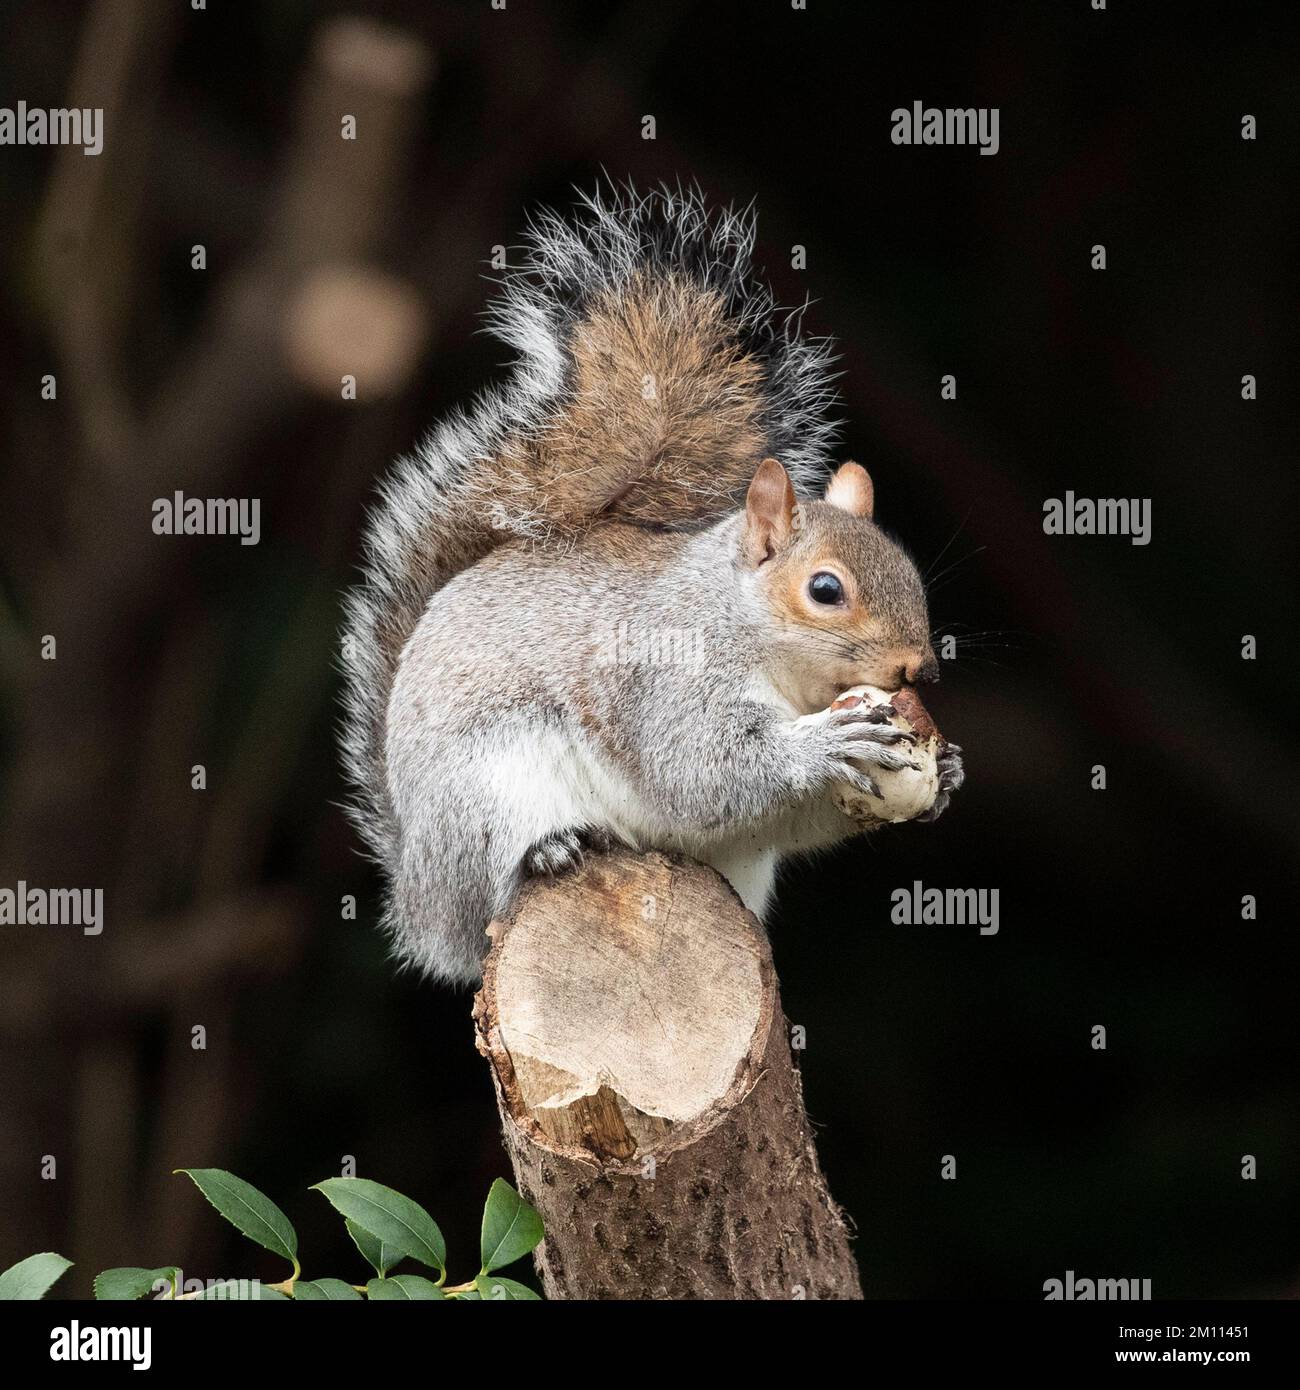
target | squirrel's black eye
[{"x": 825, "y": 588}]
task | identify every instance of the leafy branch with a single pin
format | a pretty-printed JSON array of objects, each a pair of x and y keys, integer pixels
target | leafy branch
[{"x": 385, "y": 1226}]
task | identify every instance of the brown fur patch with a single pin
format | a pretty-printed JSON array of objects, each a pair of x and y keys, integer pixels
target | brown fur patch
[{"x": 664, "y": 409}]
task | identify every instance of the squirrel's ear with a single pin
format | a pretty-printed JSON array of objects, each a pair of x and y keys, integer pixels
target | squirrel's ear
[
  {"x": 769, "y": 513},
  {"x": 850, "y": 490}
]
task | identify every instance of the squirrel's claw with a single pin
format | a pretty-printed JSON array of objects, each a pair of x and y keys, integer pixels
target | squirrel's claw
[
  {"x": 951, "y": 772},
  {"x": 555, "y": 854},
  {"x": 856, "y": 737},
  {"x": 857, "y": 725},
  {"x": 860, "y": 781},
  {"x": 951, "y": 775},
  {"x": 559, "y": 852}
]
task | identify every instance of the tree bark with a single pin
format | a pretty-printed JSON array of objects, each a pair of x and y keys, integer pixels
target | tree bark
[{"x": 651, "y": 1107}]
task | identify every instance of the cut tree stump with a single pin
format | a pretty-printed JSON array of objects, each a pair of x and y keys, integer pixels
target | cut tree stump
[{"x": 651, "y": 1107}]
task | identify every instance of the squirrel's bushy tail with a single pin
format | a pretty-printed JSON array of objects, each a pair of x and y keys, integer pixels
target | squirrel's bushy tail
[{"x": 654, "y": 373}]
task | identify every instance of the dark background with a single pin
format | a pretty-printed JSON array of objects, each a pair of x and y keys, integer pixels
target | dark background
[{"x": 1119, "y": 907}]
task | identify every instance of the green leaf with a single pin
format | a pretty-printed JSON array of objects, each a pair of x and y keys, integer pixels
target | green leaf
[
  {"x": 32, "y": 1278},
  {"x": 325, "y": 1291},
  {"x": 406, "y": 1287},
  {"x": 499, "y": 1289},
  {"x": 388, "y": 1216},
  {"x": 241, "y": 1291},
  {"x": 510, "y": 1227},
  {"x": 380, "y": 1255},
  {"x": 123, "y": 1285},
  {"x": 246, "y": 1208}
]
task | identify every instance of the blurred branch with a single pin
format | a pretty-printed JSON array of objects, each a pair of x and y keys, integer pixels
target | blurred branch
[{"x": 84, "y": 242}]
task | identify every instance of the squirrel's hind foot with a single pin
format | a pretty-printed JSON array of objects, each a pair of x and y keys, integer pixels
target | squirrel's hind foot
[
  {"x": 555, "y": 854},
  {"x": 563, "y": 850}
]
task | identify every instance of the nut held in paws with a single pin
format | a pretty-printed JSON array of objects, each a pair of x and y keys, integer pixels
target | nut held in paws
[{"x": 905, "y": 792}]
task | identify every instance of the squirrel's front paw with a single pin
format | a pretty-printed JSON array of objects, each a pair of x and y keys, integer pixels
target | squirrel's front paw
[
  {"x": 855, "y": 737},
  {"x": 888, "y": 762},
  {"x": 951, "y": 775}
]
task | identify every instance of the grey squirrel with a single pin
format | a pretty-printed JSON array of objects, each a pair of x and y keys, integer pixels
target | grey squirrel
[{"x": 595, "y": 608}]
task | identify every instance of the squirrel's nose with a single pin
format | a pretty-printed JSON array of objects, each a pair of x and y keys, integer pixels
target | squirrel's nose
[{"x": 923, "y": 670}]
